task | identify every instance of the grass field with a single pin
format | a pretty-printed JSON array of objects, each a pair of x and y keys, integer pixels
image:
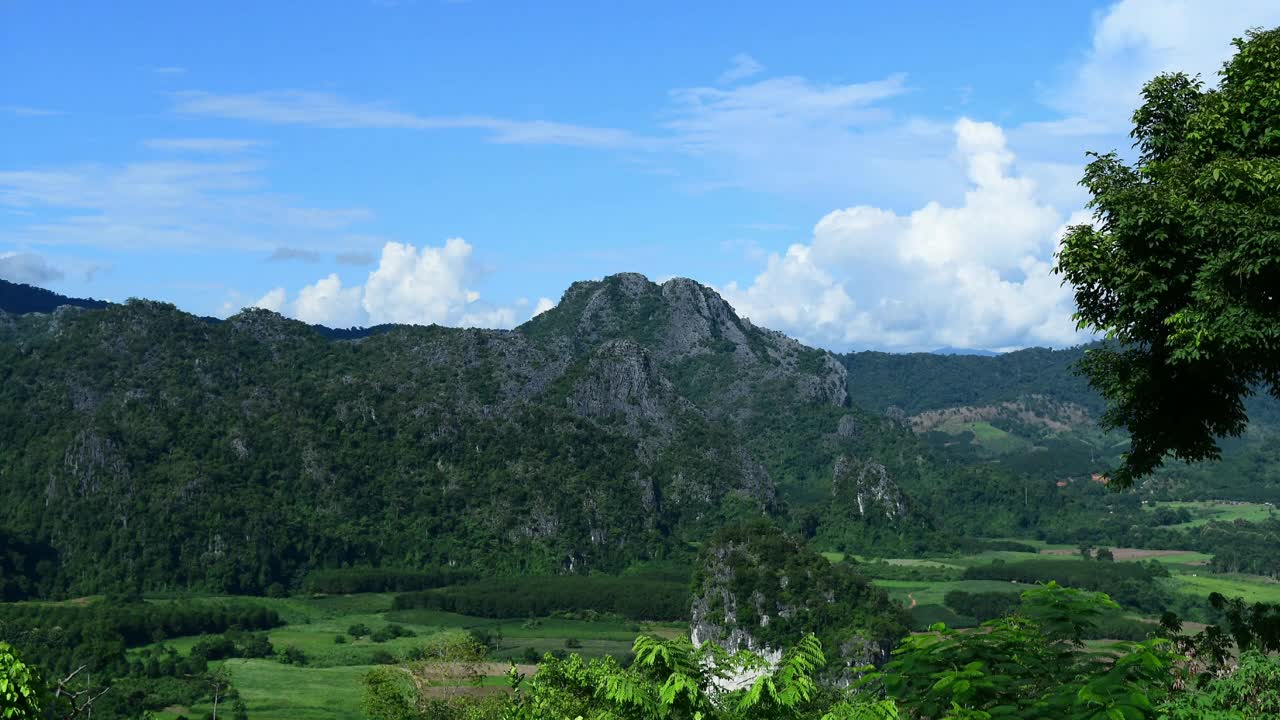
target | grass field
[
  {"x": 990, "y": 437},
  {"x": 328, "y": 686},
  {"x": 931, "y": 593},
  {"x": 273, "y": 691},
  {"x": 1250, "y": 587},
  {"x": 1206, "y": 511}
]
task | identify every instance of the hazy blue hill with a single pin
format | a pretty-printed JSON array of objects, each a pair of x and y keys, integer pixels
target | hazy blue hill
[
  {"x": 18, "y": 299},
  {"x": 948, "y": 350}
]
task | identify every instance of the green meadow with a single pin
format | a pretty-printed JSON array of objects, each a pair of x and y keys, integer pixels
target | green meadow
[
  {"x": 328, "y": 687},
  {"x": 1206, "y": 511}
]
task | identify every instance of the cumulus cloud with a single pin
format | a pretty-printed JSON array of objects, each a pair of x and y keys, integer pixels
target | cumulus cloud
[
  {"x": 544, "y": 304},
  {"x": 28, "y": 268},
  {"x": 410, "y": 285},
  {"x": 273, "y": 300},
  {"x": 422, "y": 286},
  {"x": 976, "y": 274},
  {"x": 1137, "y": 39},
  {"x": 974, "y": 271},
  {"x": 327, "y": 302}
]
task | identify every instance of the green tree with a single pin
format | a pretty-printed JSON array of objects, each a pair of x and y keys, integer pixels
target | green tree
[
  {"x": 1032, "y": 664},
  {"x": 23, "y": 694},
  {"x": 1181, "y": 268}
]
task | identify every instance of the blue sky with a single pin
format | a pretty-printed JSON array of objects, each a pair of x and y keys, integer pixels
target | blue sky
[{"x": 858, "y": 175}]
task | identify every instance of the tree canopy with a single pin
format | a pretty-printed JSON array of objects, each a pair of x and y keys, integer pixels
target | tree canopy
[{"x": 1181, "y": 267}]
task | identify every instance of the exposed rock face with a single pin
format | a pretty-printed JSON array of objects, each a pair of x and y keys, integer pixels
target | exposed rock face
[
  {"x": 848, "y": 428},
  {"x": 623, "y": 381},
  {"x": 682, "y": 320},
  {"x": 867, "y": 486},
  {"x": 760, "y": 590}
]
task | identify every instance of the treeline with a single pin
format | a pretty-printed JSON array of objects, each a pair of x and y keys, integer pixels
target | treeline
[
  {"x": 364, "y": 580},
  {"x": 1243, "y": 547},
  {"x": 62, "y": 637},
  {"x": 636, "y": 598},
  {"x": 984, "y": 606},
  {"x": 1128, "y": 583}
]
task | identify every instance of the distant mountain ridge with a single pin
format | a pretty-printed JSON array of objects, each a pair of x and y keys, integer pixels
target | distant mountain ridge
[
  {"x": 19, "y": 299},
  {"x": 948, "y": 350}
]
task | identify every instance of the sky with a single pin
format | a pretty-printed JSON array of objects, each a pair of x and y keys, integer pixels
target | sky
[{"x": 859, "y": 175}]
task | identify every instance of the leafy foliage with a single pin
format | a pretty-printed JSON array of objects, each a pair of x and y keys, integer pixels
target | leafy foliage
[
  {"x": 23, "y": 694},
  {"x": 1032, "y": 664},
  {"x": 1130, "y": 583},
  {"x": 1182, "y": 263}
]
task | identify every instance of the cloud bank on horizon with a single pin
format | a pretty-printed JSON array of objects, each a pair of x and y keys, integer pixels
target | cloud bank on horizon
[{"x": 939, "y": 228}]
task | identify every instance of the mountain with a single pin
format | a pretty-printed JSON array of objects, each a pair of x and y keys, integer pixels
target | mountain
[
  {"x": 153, "y": 449},
  {"x": 948, "y": 350},
  {"x": 1031, "y": 413},
  {"x": 147, "y": 448},
  {"x": 19, "y": 299}
]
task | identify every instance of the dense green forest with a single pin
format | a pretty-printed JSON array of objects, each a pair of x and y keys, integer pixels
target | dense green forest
[{"x": 245, "y": 455}]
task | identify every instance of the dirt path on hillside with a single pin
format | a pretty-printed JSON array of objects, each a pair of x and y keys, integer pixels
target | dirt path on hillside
[{"x": 912, "y": 598}]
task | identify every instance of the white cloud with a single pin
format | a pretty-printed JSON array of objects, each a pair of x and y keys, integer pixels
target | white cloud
[
  {"x": 1135, "y": 40},
  {"x": 208, "y": 204},
  {"x": 326, "y": 302},
  {"x": 326, "y": 110},
  {"x": 973, "y": 275},
  {"x": 410, "y": 285},
  {"x": 785, "y": 134},
  {"x": 795, "y": 136},
  {"x": 274, "y": 300},
  {"x": 421, "y": 286},
  {"x": 202, "y": 145},
  {"x": 28, "y": 268},
  {"x": 743, "y": 66},
  {"x": 544, "y": 304},
  {"x": 976, "y": 271}
]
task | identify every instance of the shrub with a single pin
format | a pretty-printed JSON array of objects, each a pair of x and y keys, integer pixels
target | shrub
[{"x": 292, "y": 655}]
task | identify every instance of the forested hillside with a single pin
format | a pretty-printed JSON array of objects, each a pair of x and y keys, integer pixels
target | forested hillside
[
  {"x": 153, "y": 449},
  {"x": 1031, "y": 412}
]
